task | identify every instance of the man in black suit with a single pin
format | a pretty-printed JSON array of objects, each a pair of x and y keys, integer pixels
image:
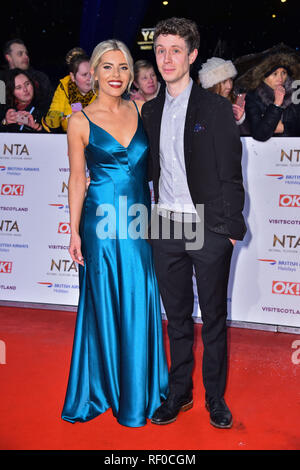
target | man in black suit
[{"x": 195, "y": 161}]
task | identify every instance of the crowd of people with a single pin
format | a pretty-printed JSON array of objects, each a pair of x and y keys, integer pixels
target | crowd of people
[{"x": 264, "y": 109}]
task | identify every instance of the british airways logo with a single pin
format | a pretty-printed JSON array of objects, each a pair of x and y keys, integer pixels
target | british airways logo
[
  {"x": 268, "y": 261},
  {"x": 286, "y": 179},
  {"x": 59, "y": 206},
  {"x": 276, "y": 176}
]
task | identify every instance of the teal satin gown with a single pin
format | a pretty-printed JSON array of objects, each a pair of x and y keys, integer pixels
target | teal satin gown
[{"x": 118, "y": 358}]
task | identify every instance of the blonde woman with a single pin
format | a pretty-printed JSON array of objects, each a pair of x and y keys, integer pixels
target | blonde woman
[{"x": 118, "y": 358}]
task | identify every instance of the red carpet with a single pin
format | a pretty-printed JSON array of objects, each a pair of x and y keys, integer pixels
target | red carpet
[{"x": 263, "y": 393}]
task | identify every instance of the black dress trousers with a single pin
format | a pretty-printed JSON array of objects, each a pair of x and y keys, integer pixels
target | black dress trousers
[{"x": 175, "y": 263}]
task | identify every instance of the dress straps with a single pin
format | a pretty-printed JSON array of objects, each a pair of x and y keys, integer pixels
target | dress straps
[
  {"x": 85, "y": 115},
  {"x": 136, "y": 107}
]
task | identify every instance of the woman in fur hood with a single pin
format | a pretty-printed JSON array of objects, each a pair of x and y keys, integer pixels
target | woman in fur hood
[{"x": 271, "y": 107}]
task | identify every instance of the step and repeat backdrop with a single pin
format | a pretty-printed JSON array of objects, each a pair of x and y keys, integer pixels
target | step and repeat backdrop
[{"x": 35, "y": 266}]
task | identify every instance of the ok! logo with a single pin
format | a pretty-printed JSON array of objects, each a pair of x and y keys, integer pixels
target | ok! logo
[
  {"x": 12, "y": 189},
  {"x": 286, "y": 287},
  {"x": 64, "y": 227},
  {"x": 5, "y": 267},
  {"x": 289, "y": 200}
]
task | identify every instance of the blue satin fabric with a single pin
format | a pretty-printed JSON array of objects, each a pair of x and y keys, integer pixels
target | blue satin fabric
[{"x": 118, "y": 357}]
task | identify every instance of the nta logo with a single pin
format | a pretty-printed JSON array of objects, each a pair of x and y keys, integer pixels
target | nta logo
[
  {"x": 289, "y": 200},
  {"x": 15, "y": 149},
  {"x": 286, "y": 241},
  {"x": 286, "y": 287},
  {"x": 63, "y": 265},
  {"x": 12, "y": 189},
  {"x": 292, "y": 155}
]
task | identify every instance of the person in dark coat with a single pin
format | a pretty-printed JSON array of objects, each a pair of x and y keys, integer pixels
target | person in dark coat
[{"x": 271, "y": 107}]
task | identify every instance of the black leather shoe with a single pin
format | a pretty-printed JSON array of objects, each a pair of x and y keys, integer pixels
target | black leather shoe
[
  {"x": 220, "y": 415},
  {"x": 168, "y": 411}
]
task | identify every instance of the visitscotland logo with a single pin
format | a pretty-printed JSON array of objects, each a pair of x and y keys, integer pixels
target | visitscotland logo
[{"x": 286, "y": 288}]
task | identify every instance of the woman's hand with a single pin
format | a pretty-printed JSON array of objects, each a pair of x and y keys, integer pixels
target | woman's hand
[
  {"x": 279, "y": 93},
  {"x": 34, "y": 125},
  {"x": 75, "y": 249},
  {"x": 279, "y": 128},
  {"x": 238, "y": 111},
  {"x": 11, "y": 116}
]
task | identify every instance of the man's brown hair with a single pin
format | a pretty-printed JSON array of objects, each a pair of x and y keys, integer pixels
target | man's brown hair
[{"x": 183, "y": 27}]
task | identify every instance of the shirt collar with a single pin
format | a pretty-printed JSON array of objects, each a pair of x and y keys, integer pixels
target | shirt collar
[{"x": 182, "y": 98}]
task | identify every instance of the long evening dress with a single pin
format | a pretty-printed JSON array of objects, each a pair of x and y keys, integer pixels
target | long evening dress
[{"x": 118, "y": 359}]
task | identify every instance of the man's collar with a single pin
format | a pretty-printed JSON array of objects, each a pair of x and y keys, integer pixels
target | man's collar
[{"x": 183, "y": 96}]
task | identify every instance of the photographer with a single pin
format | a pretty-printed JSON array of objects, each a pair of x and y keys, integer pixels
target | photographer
[{"x": 23, "y": 110}]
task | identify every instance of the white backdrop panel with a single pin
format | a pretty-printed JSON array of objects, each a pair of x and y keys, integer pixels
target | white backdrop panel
[{"x": 35, "y": 265}]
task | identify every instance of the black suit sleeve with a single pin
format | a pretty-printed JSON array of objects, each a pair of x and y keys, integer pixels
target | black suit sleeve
[
  {"x": 149, "y": 161},
  {"x": 228, "y": 150},
  {"x": 262, "y": 125}
]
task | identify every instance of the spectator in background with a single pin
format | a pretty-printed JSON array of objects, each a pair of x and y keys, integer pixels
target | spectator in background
[
  {"x": 216, "y": 75},
  {"x": 24, "y": 108},
  {"x": 269, "y": 105},
  {"x": 146, "y": 85},
  {"x": 73, "y": 93},
  {"x": 16, "y": 55}
]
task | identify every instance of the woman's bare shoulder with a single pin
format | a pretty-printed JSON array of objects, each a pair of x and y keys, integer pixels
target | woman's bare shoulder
[
  {"x": 77, "y": 118},
  {"x": 139, "y": 104},
  {"x": 78, "y": 125}
]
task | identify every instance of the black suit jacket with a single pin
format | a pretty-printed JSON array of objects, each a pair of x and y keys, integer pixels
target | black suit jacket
[{"x": 212, "y": 151}]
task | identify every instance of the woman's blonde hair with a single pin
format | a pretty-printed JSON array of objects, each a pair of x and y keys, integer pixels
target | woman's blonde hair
[{"x": 106, "y": 46}]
